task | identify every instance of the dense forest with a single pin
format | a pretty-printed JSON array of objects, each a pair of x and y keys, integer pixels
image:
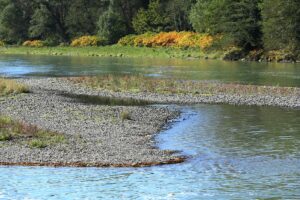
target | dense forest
[{"x": 248, "y": 24}]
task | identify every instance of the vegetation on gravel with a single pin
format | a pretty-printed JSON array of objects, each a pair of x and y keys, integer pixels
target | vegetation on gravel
[
  {"x": 31, "y": 135},
  {"x": 8, "y": 87},
  {"x": 139, "y": 83}
]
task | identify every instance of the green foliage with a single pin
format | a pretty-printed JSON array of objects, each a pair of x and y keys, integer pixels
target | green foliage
[
  {"x": 41, "y": 23},
  {"x": 238, "y": 21},
  {"x": 178, "y": 12},
  {"x": 154, "y": 19},
  {"x": 13, "y": 25},
  {"x": 205, "y": 16},
  {"x": 82, "y": 17},
  {"x": 281, "y": 24},
  {"x": 246, "y": 24},
  {"x": 241, "y": 22},
  {"x": 111, "y": 26}
]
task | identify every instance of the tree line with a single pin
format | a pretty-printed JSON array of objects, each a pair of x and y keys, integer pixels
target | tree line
[{"x": 249, "y": 24}]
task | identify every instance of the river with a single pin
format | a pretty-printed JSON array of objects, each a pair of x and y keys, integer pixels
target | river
[{"x": 235, "y": 152}]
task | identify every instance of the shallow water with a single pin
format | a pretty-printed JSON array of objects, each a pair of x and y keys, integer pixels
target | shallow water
[
  {"x": 236, "y": 153},
  {"x": 241, "y": 72}
]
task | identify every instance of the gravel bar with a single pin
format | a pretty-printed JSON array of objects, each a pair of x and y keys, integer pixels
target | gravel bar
[{"x": 97, "y": 136}]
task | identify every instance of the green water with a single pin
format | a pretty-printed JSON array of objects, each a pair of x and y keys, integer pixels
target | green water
[{"x": 282, "y": 74}]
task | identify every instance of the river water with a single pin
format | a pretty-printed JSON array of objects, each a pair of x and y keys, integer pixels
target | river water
[{"x": 236, "y": 152}]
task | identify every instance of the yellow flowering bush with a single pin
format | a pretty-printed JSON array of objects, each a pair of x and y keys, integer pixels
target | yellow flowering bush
[
  {"x": 2, "y": 44},
  {"x": 169, "y": 39},
  {"x": 88, "y": 41},
  {"x": 33, "y": 43}
]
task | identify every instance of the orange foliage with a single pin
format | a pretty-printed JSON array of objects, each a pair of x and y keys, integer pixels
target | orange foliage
[
  {"x": 33, "y": 43},
  {"x": 87, "y": 41},
  {"x": 169, "y": 39}
]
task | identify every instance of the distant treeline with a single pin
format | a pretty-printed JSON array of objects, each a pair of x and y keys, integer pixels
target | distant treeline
[{"x": 249, "y": 24}]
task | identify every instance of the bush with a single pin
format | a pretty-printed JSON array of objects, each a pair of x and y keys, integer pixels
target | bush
[
  {"x": 2, "y": 44},
  {"x": 33, "y": 43},
  {"x": 128, "y": 40},
  {"x": 88, "y": 41},
  {"x": 170, "y": 39}
]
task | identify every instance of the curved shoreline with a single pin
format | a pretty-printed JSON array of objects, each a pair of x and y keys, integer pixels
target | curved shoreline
[{"x": 97, "y": 135}]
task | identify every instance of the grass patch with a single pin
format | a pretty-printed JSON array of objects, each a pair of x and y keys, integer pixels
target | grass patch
[
  {"x": 115, "y": 51},
  {"x": 138, "y": 84},
  {"x": 8, "y": 87},
  {"x": 34, "y": 137},
  {"x": 125, "y": 115}
]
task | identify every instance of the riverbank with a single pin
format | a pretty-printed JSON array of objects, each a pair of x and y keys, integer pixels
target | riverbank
[
  {"x": 112, "y": 51},
  {"x": 157, "y": 52}
]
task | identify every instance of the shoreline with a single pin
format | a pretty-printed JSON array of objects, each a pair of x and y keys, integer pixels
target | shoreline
[
  {"x": 97, "y": 134},
  {"x": 148, "y": 52}
]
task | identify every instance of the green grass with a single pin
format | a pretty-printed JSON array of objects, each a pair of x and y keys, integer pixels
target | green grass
[
  {"x": 113, "y": 51},
  {"x": 33, "y": 136},
  {"x": 8, "y": 87},
  {"x": 138, "y": 84}
]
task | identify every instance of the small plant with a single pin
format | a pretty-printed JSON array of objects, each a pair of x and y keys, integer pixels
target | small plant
[
  {"x": 125, "y": 115},
  {"x": 85, "y": 41},
  {"x": 4, "y": 136},
  {"x": 33, "y": 43},
  {"x": 37, "y": 143}
]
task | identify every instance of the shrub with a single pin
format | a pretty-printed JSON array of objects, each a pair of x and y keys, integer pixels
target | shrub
[
  {"x": 33, "y": 43},
  {"x": 88, "y": 41},
  {"x": 128, "y": 40},
  {"x": 170, "y": 39},
  {"x": 125, "y": 115},
  {"x": 2, "y": 44},
  {"x": 37, "y": 143}
]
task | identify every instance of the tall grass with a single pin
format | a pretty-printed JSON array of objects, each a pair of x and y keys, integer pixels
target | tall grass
[
  {"x": 138, "y": 84},
  {"x": 8, "y": 87}
]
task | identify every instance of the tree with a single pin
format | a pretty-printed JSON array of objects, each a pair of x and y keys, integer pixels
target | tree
[
  {"x": 205, "y": 16},
  {"x": 281, "y": 24},
  {"x": 153, "y": 19},
  {"x": 178, "y": 12},
  {"x": 14, "y": 20},
  {"x": 42, "y": 25},
  {"x": 111, "y": 26},
  {"x": 241, "y": 22},
  {"x": 237, "y": 20},
  {"x": 83, "y": 16}
]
